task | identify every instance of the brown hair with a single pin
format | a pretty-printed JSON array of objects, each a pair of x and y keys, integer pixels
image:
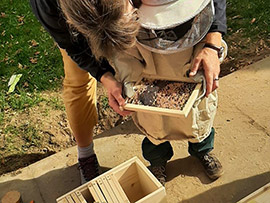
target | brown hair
[{"x": 104, "y": 23}]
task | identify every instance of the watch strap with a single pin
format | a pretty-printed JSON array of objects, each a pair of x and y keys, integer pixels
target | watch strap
[{"x": 217, "y": 48}]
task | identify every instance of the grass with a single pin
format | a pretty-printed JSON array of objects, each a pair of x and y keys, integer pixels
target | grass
[
  {"x": 27, "y": 49},
  {"x": 249, "y": 17}
]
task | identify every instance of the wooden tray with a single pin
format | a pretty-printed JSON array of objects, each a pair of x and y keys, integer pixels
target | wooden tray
[{"x": 166, "y": 111}]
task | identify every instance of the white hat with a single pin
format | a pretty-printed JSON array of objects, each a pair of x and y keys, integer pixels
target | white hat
[
  {"x": 164, "y": 14},
  {"x": 168, "y": 35}
]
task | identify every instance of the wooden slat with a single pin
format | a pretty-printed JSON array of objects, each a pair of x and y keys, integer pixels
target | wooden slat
[
  {"x": 110, "y": 191},
  {"x": 80, "y": 197},
  {"x": 104, "y": 190},
  {"x": 99, "y": 193},
  {"x": 191, "y": 100},
  {"x": 93, "y": 192},
  {"x": 63, "y": 200},
  {"x": 75, "y": 198},
  {"x": 118, "y": 191},
  {"x": 69, "y": 199}
]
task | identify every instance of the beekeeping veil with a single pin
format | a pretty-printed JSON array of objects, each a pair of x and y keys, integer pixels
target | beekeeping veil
[{"x": 169, "y": 26}]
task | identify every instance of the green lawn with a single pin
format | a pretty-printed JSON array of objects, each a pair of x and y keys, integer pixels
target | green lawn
[
  {"x": 26, "y": 49},
  {"x": 250, "y": 17}
]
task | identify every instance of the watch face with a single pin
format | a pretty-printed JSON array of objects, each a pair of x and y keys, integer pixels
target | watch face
[{"x": 221, "y": 50}]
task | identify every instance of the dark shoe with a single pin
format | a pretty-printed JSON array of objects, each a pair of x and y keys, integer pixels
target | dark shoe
[
  {"x": 211, "y": 165},
  {"x": 160, "y": 173},
  {"x": 89, "y": 168}
]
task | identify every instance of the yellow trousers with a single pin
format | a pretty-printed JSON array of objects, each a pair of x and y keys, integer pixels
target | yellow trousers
[{"x": 79, "y": 96}]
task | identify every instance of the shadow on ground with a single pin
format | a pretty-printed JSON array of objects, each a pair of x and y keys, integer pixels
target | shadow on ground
[
  {"x": 14, "y": 162},
  {"x": 46, "y": 188},
  {"x": 232, "y": 192},
  {"x": 188, "y": 166},
  {"x": 54, "y": 184}
]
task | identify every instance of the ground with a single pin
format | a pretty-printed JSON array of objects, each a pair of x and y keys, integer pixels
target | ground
[
  {"x": 50, "y": 131},
  {"x": 33, "y": 122}
]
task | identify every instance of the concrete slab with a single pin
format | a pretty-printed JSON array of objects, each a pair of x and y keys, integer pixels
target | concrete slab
[{"x": 242, "y": 144}]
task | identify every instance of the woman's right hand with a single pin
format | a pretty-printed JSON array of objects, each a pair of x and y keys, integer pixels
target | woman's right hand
[{"x": 114, "y": 91}]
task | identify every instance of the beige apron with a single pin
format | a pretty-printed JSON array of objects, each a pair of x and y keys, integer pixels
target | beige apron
[{"x": 138, "y": 61}]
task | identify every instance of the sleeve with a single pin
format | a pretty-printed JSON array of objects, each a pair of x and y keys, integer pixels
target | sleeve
[
  {"x": 49, "y": 15},
  {"x": 220, "y": 21}
]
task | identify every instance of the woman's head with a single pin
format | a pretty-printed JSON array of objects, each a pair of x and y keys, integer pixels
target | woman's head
[{"x": 109, "y": 25}]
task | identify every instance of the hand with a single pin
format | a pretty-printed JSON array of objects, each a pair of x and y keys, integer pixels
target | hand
[
  {"x": 114, "y": 90},
  {"x": 209, "y": 61}
]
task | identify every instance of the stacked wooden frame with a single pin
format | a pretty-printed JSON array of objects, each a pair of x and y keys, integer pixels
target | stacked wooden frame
[{"x": 129, "y": 182}]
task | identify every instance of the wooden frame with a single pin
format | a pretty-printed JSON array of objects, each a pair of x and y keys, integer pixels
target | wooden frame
[
  {"x": 130, "y": 182},
  {"x": 165, "y": 111}
]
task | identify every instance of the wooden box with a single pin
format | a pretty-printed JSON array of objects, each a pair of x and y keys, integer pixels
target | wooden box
[
  {"x": 165, "y": 111},
  {"x": 130, "y": 182},
  {"x": 262, "y": 195}
]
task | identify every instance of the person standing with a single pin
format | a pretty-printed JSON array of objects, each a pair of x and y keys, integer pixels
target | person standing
[{"x": 93, "y": 31}]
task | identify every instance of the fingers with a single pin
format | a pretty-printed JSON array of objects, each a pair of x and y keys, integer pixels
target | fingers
[
  {"x": 209, "y": 84},
  {"x": 195, "y": 67},
  {"x": 215, "y": 83},
  {"x": 212, "y": 83},
  {"x": 208, "y": 60},
  {"x": 116, "y": 101}
]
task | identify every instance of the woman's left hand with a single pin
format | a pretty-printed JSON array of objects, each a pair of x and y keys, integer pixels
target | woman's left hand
[{"x": 208, "y": 60}]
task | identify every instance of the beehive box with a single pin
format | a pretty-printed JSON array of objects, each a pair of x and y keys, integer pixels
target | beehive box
[
  {"x": 262, "y": 195},
  {"x": 130, "y": 182},
  {"x": 165, "y": 97}
]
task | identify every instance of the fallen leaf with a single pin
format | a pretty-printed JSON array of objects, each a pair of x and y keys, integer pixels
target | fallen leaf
[
  {"x": 26, "y": 84},
  {"x": 3, "y": 15},
  {"x": 20, "y": 66},
  {"x": 37, "y": 53},
  {"x": 14, "y": 79},
  {"x": 237, "y": 16},
  {"x": 20, "y": 19},
  {"x": 33, "y": 60},
  {"x": 18, "y": 51},
  {"x": 34, "y": 43},
  {"x": 253, "y": 20}
]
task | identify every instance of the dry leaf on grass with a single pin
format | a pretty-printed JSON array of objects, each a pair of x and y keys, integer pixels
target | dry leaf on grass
[
  {"x": 33, "y": 60},
  {"x": 3, "y": 15},
  {"x": 253, "y": 20},
  {"x": 33, "y": 43}
]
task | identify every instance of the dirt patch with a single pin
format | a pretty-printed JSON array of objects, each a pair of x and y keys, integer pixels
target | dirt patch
[
  {"x": 243, "y": 52},
  {"x": 43, "y": 130}
]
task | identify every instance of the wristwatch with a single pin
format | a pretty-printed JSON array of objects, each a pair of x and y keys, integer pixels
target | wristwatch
[{"x": 219, "y": 50}]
